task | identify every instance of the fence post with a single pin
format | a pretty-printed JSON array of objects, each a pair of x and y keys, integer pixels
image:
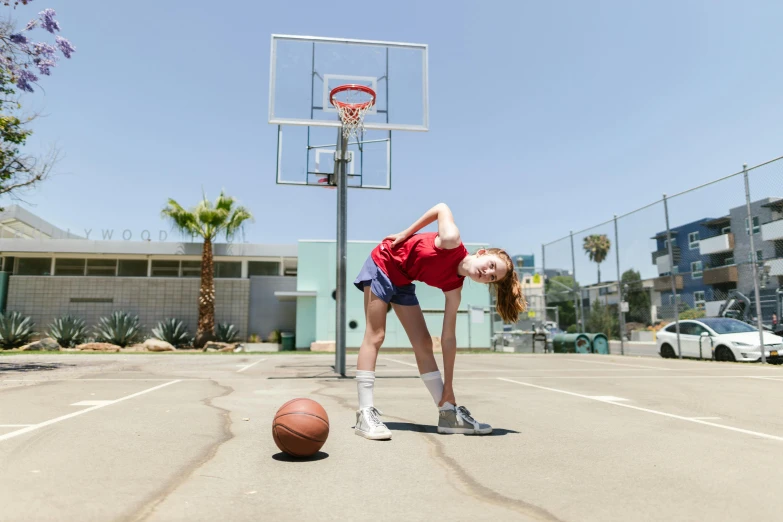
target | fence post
[
  {"x": 543, "y": 278},
  {"x": 672, "y": 276},
  {"x": 578, "y": 310},
  {"x": 753, "y": 262},
  {"x": 619, "y": 288}
]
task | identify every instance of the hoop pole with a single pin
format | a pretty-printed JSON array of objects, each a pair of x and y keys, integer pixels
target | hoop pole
[{"x": 342, "y": 250}]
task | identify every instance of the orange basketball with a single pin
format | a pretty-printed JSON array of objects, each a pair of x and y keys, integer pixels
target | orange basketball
[{"x": 301, "y": 427}]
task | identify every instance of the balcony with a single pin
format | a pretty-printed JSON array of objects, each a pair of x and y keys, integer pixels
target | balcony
[
  {"x": 772, "y": 231},
  {"x": 721, "y": 275},
  {"x": 775, "y": 267},
  {"x": 663, "y": 265},
  {"x": 664, "y": 252},
  {"x": 664, "y": 284},
  {"x": 717, "y": 244}
]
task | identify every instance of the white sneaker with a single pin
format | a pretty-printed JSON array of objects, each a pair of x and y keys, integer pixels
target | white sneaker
[
  {"x": 369, "y": 425},
  {"x": 459, "y": 420}
]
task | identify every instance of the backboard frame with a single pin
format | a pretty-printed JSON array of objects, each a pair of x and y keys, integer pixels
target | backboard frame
[{"x": 281, "y": 120}]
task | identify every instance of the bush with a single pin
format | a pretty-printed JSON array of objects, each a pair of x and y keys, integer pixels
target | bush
[
  {"x": 226, "y": 333},
  {"x": 693, "y": 313},
  {"x": 68, "y": 331},
  {"x": 119, "y": 328},
  {"x": 15, "y": 330},
  {"x": 573, "y": 329},
  {"x": 172, "y": 331},
  {"x": 603, "y": 320}
]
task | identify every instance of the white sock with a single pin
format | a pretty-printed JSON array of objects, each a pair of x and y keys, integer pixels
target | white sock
[
  {"x": 365, "y": 382},
  {"x": 434, "y": 384}
]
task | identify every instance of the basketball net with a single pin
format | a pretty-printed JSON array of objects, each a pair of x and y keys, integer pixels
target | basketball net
[{"x": 352, "y": 103}]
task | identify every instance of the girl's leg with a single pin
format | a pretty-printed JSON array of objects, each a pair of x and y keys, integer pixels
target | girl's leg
[
  {"x": 412, "y": 320},
  {"x": 368, "y": 423}
]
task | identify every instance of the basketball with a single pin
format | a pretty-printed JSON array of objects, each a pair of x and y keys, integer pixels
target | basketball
[{"x": 300, "y": 427}]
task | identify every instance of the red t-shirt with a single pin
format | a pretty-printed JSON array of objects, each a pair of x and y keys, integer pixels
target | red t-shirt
[{"x": 418, "y": 259}]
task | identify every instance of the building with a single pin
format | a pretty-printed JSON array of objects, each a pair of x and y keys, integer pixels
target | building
[
  {"x": 688, "y": 268},
  {"x": 259, "y": 288}
]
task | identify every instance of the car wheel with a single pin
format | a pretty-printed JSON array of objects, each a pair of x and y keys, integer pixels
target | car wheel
[
  {"x": 667, "y": 352},
  {"x": 723, "y": 353}
]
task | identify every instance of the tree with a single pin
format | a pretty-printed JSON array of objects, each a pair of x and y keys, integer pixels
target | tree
[
  {"x": 597, "y": 247},
  {"x": 638, "y": 298},
  {"x": 207, "y": 221},
  {"x": 20, "y": 59},
  {"x": 603, "y": 319}
]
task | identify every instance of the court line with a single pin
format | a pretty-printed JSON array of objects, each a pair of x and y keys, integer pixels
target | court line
[
  {"x": 619, "y": 364},
  {"x": 34, "y": 427},
  {"x": 15, "y": 425},
  {"x": 764, "y": 378},
  {"x": 654, "y": 412},
  {"x": 401, "y": 362},
  {"x": 250, "y": 365}
]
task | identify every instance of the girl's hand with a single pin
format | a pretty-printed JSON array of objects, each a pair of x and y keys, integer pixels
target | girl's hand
[
  {"x": 448, "y": 396},
  {"x": 397, "y": 238}
]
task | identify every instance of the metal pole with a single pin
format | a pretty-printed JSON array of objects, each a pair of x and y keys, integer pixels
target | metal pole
[
  {"x": 619, "y": 287},
  {"x": 753, "y": 261},
  {"x": 672, "y": 275},
  {"x": 470, "y": 320},
  {"x": 342, "y": 251},
  {"x": 578, "y": 310},
  {"x": 543, "y": 277}
]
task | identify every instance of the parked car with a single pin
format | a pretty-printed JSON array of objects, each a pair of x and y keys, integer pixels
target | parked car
[{"x": 720, "y": 338}]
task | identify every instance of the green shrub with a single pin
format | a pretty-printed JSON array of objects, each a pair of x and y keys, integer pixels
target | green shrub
[
  {"x": 15, "y": 329},
  {"x": 68, "y": 331},
  {"x": 693, "y": 313},
  {"x": 573, "y": 329},
  {"x": 119, "y": 328},
  {"x": 172, "y": 331},
  {"x": 226, "y": 333}
]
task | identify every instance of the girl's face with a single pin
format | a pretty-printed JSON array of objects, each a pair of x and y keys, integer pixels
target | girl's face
[{"x": 487, "y": 268}]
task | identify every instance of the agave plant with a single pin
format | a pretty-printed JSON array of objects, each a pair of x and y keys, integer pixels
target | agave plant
[
  {"x": 15, "y": 329},
  {"x": 119, "y": 328},
  {"x": 172, "y": 331},
  {"x": 68, "y": 331},
  {"x": 226, "y": 333}
]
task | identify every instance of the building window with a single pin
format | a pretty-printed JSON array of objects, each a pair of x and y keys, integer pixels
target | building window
[
  {"x": 101, "y": 267},
  {"x": 34, "y": 266},
  {"x": 725, "y": 230},
  {"x": 676, "y": 270},
  {"x": 161, "y": 268},
  {"x": 759, "y": 255},
  {"x": 228, "y": 269},
  {"x": 698, "y": 300},
  {"x": 191, "y": 269},
  {"x": 132, "y": 268},
  {"x": 69, "y": 267},
  {"x": 696, "y": 270},
  {"x": 666, "y": 243},
  {"x": 263, "y": 268},
  {"x": 693, "y": 240},
  {"x": 756, "y": 226},
  {"x": 729, "y": 261}
]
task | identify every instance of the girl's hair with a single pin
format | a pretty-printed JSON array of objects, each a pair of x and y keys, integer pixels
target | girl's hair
[{"x": 510, "y": 300}]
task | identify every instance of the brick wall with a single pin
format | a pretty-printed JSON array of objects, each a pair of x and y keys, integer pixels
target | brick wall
[{"x": 45, "y": 298}]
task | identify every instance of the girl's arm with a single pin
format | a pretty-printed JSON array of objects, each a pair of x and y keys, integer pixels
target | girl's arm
[
  {"x": 448, "y": 233},
  {"x": 448, "y": 341}
]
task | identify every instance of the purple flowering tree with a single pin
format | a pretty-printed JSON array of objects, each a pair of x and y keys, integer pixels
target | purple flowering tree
[{"x": 24, "y": 58}]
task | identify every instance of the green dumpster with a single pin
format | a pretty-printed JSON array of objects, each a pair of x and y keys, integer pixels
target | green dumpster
[
  {"x": 571, "y": 343},
  {"x": 287, "y": 340},
  {"x": 599, "y": 343}
]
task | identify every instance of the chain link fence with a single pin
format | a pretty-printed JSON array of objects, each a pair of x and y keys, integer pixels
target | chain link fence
[{"x": 715, "y": 250}]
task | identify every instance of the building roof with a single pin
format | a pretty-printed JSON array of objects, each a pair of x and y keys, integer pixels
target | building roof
[
  {"x": 662, "y": 235},
  {"x": 16, "y": 222},
  {"x": 718, "y": 222},
  {"x": 774, "y": 205},
  {"x": 89, "y": 246}
]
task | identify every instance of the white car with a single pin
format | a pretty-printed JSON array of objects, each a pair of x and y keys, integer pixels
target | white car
[{"x": 720, "y": 338}]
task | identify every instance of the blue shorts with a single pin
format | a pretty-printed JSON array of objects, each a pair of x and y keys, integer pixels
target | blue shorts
[{"x": 380, "y": 285}]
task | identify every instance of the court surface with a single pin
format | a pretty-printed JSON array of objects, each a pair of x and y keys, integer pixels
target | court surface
[{"x": 577, "y": 437}]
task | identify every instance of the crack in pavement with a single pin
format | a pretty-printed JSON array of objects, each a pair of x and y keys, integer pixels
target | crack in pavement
[
  {"x": 473, "y": 486},
  {"x": 149, "y": 506}
]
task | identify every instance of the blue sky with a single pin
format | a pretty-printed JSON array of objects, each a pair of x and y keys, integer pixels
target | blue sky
[{"x": 545, "y": 117}]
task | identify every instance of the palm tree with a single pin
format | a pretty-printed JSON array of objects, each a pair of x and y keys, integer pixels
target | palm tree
[
  {"x": 208, "y": 221},
  {"x": 597, "y": 247}
]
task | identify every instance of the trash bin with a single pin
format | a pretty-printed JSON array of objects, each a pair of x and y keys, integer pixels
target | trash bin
[
  {"x": 287, "y": 340},
  {"x": 3, "y": 290},
  {"x": 571, "y": 343},
  {"x": 599, "y": 343}
]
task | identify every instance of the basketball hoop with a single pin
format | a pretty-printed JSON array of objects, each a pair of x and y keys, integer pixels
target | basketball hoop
[
  {"x": 353, "y": 103},
  {"x": 327, "y": 183}
]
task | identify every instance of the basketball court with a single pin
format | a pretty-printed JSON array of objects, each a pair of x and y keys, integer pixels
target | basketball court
[{"x": 576, "y": 437}]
